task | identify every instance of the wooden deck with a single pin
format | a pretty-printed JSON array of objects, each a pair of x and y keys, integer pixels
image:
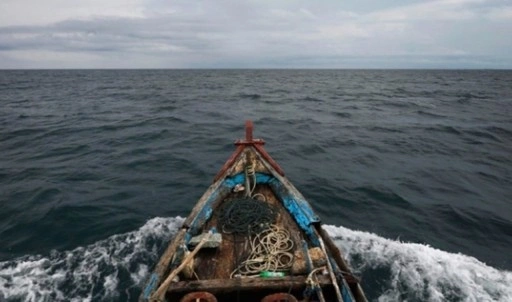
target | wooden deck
[
  {"x": 217, "y": 286},
  {"x": 219, "y": 263},
  {"x": 214, "y": 267}
]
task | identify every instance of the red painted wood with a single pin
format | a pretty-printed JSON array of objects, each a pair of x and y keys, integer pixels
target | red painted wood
[
  {"x": 248, "y": 130},
  {"x": 199, "y": 297},
  {"x": 270, "y": 160},
  {"x": 229, "y": 162},
  {"x": 255, "y": 141},
  {"x": 279, "y": 297},
  {"x": 242, "y": 144}
]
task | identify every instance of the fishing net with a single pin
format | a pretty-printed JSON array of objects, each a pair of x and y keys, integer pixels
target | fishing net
[{"x": 246, "y": 216}]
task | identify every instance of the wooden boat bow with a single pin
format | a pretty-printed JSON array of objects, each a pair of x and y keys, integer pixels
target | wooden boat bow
[{"x": 245, "y": 262}]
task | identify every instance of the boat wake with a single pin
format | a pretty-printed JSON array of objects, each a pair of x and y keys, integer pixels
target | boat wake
[
  {"x": 416, "y": 272},
  {"x": 108, "y": 270},
  {"x": 115, "y": 269}
]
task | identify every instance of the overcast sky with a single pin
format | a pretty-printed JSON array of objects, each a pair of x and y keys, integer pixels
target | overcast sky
[{"x": 255, "y": 34}]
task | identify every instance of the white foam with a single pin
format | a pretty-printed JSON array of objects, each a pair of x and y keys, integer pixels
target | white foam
[
  {"x": 421, "y": 273},
  {"x": 89, "y": 273}
]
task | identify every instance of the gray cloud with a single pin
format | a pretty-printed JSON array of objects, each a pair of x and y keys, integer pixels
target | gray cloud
[{"x": 332, "y": 34}]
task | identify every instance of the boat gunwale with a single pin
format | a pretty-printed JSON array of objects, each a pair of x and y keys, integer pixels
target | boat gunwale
[{"x": 301, "y": 211}]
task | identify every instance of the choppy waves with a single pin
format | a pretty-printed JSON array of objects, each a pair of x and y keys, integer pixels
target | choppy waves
[
  {"x": 108, "y": 270},
  {"x": 418, "y": 272}
]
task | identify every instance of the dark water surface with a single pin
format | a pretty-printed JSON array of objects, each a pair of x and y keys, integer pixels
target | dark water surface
[{"x": 412, "y": 170}]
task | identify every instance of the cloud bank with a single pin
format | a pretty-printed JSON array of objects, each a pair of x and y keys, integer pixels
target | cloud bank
[{"x": 255, "y": 34}]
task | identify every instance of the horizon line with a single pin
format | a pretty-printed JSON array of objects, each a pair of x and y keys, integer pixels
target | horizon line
[{"x": 261, "y": 68}]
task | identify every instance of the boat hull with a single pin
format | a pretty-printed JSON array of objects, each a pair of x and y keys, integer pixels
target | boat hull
[{"x": 252, "y": 236}]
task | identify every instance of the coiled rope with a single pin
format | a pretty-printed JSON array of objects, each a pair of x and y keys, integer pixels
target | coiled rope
[
  {"x": 246, "y": 216},
  {"x": 270, "y": 251}
]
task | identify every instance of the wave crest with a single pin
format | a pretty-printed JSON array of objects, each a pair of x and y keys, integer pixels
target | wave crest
[
  {"x": 110, "y": 269},
  {"x": 418, "y": 272}
]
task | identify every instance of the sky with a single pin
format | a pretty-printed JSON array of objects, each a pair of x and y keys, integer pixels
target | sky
[{"x": 255, "y": 34}]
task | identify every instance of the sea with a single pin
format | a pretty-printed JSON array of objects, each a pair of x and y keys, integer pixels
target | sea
[{"x": 410, "y": 171}]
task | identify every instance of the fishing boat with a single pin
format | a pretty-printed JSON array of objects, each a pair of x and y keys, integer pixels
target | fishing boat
[{"x": 252, "y": 236}]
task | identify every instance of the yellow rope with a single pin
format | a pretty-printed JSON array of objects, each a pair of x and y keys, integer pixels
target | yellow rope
[
  {"x": 250, "y": 176},
  {"x": 270, "y": 251}
]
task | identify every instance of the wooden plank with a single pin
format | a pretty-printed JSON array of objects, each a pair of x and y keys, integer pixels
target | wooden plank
[
  {"x": 331, "y": 272},
  {"x": 335, "y": 252},
  {"x": 244, "y": 284},
  {"x": 165, "y": 260},
  {"x": 229, "y": 163},
  {"x": 342, "y": 264},
  {"x": 163, "y": 265},
  {"x": 269, "y": 159},
  {"x": 160, "y": 292},
  {"x": 214, "y": 189},
  {"x": 203, "y": 208}
]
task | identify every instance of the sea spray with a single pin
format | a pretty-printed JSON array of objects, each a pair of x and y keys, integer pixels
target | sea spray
[
  {"x": 418, "y": 272},
  {"x": 110, "y": 269}
]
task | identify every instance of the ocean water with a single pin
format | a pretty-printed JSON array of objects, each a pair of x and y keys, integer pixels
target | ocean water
[{"x": 411, "y": 170}]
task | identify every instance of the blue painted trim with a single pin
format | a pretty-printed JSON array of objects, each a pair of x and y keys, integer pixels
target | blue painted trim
[
  {"x": 206, "y": 212},
  {"x": 301, "y": 219},
  {"x": 346, "y": 294},
  {"x": 261, "y": 178},
  {"x": 226, "y": 186},
  {"x": 300, "y": 203},
  {"x": 299, "y": 208},
  {"x": 308, "y": 258},
  {"x": 187, "y": 238},
  {"x": 153, "y": 281}
]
